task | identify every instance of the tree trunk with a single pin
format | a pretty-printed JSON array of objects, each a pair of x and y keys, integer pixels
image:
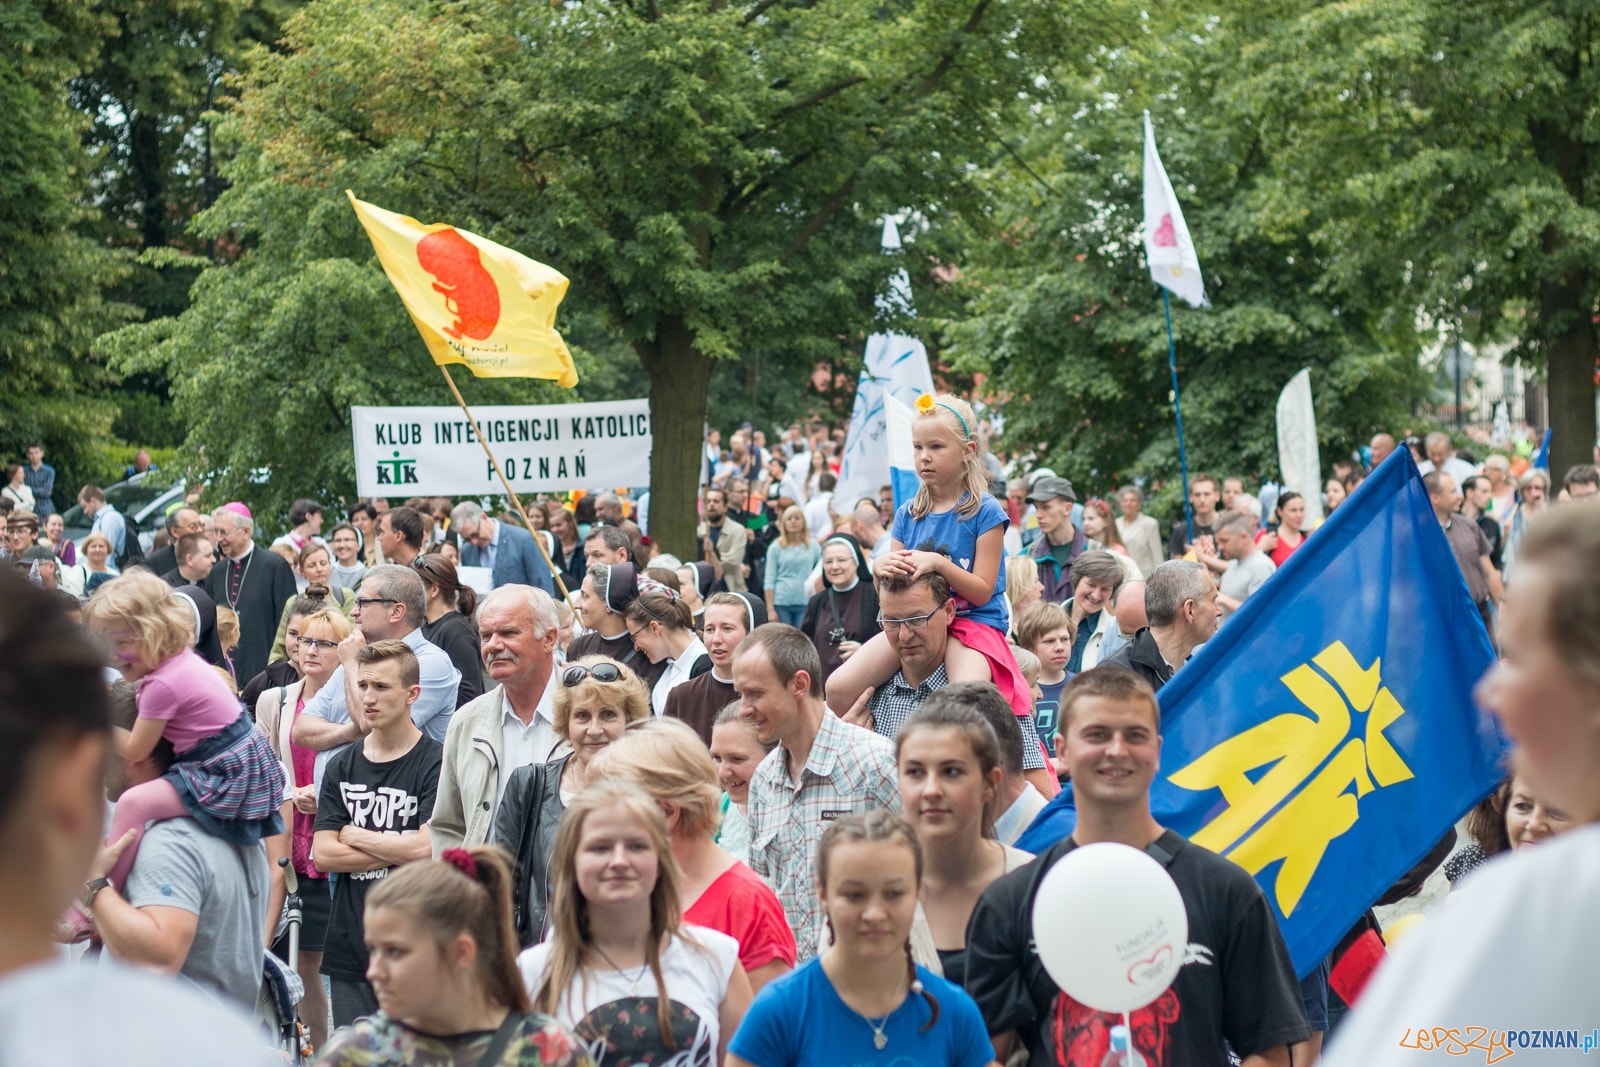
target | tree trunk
[
  {"x": 1566, "y": 313},
  {"x": 680, "y": 378},
  {"x": 1570, "y": 370}
]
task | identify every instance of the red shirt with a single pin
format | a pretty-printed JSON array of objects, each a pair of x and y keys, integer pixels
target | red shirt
[
  {"x": 745, "y": 908},
  {"x": 1284, "y": 550}
]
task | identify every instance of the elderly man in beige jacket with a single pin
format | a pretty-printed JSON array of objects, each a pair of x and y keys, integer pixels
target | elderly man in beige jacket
[{"x": 506, "y": 728}]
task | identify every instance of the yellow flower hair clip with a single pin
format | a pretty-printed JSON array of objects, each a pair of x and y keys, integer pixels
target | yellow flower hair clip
[{"x": 925, "y": 403}]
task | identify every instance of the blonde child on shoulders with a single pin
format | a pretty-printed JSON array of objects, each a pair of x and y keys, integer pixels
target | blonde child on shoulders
[{"x": 954, "y": 528}]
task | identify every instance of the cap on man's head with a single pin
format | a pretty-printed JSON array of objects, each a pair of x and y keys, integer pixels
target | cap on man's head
[
  {"x": 1052, "y": 489},
  {"x": 238, "y": 509},
  {"x": 38, "y": 554}
]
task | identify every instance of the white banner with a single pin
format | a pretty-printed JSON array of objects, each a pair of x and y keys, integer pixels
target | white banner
[
  {"x": 895, "y": 366},
  {"x": 1299, "y": 460},
  {"x": 432, "y": 451}
]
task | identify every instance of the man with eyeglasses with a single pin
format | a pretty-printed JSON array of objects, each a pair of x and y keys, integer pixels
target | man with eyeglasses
[
  {"x": 390, "y": 606},
  {"x": 915, "y": 613},
  {"x": 510, "y": 726},
  {"x": 508, "y": 551}
]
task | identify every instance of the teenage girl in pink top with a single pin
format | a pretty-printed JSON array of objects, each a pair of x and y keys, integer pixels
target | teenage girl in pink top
[{"x": 225, "y": 776}]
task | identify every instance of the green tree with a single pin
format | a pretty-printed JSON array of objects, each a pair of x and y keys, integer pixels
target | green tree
[
  {"x": 710, "y": 176},
  {"x": 148, "y": 91},
  {"x": 1447, "y": 160},
  {"x": 1068, "y": 324},
  {"x": 51, "y": 303}
]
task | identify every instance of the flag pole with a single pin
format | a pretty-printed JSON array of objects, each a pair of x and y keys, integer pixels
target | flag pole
[
  {"x": 1177, "y": 411},
  {"x": 555, "y": 572}
]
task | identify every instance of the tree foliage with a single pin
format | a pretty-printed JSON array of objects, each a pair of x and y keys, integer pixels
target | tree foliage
[
  {"x": 710, "y": 176},
  {"x": 1070, "y": 328},
  {"x": 51, "y": 278},
  {"x": 1446, "y": 157}
]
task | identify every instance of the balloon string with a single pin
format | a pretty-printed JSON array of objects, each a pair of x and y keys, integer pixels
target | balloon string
[{"x": 1127, "y": 1055}]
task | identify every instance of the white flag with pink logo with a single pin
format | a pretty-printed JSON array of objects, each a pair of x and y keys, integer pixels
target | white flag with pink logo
[{"x": 1167, "y": 246}]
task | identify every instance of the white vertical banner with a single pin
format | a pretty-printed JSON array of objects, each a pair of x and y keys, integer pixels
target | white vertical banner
[
  {"x": 894, "y": 365},
  {"x": 1167, "y": 245},
  {"x": 1299, "y": 459},
  {"x": 897, "y": 451}
]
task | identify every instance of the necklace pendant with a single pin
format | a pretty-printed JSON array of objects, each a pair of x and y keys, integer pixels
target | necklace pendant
[{"x": 879, "y": 1040}]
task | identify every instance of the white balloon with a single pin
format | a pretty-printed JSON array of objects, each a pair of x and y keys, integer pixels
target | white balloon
[{"x": 1110, "y": 926}]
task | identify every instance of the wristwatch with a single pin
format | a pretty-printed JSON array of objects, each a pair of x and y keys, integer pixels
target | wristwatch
[{"x": 92, "y": 888}]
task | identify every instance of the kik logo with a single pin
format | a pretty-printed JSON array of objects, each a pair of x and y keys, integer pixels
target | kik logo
[
  {"x": 1288, "y": 782},
  {"x": 397, "y": 471}
]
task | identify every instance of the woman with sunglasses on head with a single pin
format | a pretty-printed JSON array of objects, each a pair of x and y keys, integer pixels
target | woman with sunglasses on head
[
  {"x": 622, "y": 968},
  {"x": 863, "y": 1001},
  {"x": 315, "y": 636},
  {"x": 663, "y": 630},
  {"x": 443, "y": 966},
  {"x": 595, "y": 700},
  {"x": 667, "y": 760},
  {"x": 449, "y": 622}
]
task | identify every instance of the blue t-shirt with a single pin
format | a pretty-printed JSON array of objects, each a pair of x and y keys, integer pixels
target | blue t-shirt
[
  {"x": 957, "y": 539},
  {"x": 1047, "y": 713},
  {"x": 799, "y": 1021}
]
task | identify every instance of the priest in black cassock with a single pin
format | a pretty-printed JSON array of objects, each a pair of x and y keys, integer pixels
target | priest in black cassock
[{"x": 252, "y": 581}]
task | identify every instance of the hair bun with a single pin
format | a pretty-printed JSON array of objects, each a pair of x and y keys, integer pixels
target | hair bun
[{"x": 318, "y": 591}]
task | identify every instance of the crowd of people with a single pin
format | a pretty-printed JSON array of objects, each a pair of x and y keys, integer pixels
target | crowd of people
[{"x": 549, "y": 795}]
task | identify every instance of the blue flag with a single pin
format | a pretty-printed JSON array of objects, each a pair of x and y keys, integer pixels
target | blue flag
[{"x": 1327, "y": 738}]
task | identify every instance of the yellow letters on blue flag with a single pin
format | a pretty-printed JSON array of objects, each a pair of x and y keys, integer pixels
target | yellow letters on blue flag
[{"x": 1327, "y": 738}]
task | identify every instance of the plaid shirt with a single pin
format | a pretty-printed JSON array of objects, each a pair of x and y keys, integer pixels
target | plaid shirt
[
  {"x": 893, "y": 704},
  {"x": 849, "y": 770}
]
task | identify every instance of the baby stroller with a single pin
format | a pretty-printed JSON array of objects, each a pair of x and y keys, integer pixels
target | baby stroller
[{"x": 281, "y": 987}]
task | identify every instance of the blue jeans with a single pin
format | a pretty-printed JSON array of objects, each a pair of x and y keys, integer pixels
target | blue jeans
[{"x": 793, "y": 614}]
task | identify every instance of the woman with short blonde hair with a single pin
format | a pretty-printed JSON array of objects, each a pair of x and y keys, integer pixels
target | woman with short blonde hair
[{"x": 596, "y": 699}]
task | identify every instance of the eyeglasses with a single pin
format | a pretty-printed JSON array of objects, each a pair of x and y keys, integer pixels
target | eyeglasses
[
  {"x": 363, "y": 601},
  {"x": 916, "y": 624},
  {"x": 600, "y": 672},
  {"x": 316, "y": 642}
]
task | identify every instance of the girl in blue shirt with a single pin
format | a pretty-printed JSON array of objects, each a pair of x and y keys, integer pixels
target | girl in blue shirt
[
  {"x": 863, "y": 1002},
  {"x": 953, "y": 529}
]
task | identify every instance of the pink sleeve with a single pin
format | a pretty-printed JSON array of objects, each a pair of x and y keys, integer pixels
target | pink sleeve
[{"x": 156, "y": 700}]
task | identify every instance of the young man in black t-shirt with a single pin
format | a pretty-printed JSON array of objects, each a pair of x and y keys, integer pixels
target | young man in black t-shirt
[
  {"x": 372, "y": 813},
  {"x": 1236, "y": 987}
]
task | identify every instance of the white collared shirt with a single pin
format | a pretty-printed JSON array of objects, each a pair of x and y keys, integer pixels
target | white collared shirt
[
  {"x": 487, "y": 556},
  {"x": 676, "y": 674},
  {"x": 533, "y": 742}
]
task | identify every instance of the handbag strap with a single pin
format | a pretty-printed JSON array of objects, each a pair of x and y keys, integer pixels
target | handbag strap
[{"x": 502, "y": 1038}]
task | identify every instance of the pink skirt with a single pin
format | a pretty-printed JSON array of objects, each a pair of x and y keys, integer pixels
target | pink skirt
[{"x": 994, "y": 647}]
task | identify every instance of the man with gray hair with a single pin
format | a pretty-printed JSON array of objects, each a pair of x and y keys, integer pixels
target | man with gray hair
[
  {"x": 508, "y": 727},
  {"x": 1180, "y": 600},
  {"x": 508, "y": 551},
  {"x": 1247, "y": 565},
  {"x": 391, "y": 605},
  {"x": 866, "y": 523},
  {"x": 253, "y": 584},
  {"x": 1442, "y": 458}
]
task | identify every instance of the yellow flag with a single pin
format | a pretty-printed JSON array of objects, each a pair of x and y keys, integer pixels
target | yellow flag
[{"x": 474, "y": 302}]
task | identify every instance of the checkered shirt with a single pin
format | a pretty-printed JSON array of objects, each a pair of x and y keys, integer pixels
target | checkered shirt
[
  {"x": 849, "y": 770},
  {"x": 893, "y": 704}
]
